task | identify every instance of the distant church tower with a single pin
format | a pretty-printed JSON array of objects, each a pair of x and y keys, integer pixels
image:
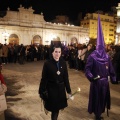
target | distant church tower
[{"x": 118, "y": 25}]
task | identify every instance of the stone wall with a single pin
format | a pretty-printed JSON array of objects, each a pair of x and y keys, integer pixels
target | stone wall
[{"x": 26, "y": 25}]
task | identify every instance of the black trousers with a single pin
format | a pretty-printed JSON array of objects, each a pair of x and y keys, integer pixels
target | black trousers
[{"x": 54, "y": 115}]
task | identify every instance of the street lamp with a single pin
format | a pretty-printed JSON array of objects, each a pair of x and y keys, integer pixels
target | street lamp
[{"x": 5, "y": 35}]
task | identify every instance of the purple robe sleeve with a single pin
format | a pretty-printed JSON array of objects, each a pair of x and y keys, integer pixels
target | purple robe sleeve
[{"x": 88, "y": 68}]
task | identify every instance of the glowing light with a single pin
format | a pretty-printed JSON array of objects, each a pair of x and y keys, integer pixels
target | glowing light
[{"x": 5, "y": 35}]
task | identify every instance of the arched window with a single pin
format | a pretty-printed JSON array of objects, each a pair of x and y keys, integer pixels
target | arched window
[
  {"x": 13, "y": 39},
  {"x": 37, "y": 40}
]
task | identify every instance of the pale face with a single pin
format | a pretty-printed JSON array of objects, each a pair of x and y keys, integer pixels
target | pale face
[{"x": 56, "y": 53}]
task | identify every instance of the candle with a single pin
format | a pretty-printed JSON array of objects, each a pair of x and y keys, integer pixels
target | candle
[
  {"x": 97, "y": 77},
  {"x": 78, "y": 90}
]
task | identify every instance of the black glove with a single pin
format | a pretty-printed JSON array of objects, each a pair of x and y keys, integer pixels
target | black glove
[
  {"x": 91, "y": 79},
  {"x": 44, "y": 95}
]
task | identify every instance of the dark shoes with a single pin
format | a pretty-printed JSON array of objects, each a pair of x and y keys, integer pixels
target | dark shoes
[{"x": 99, "y": 118}]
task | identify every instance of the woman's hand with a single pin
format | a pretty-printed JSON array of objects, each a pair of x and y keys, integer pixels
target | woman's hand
[{"x": 70, "y": 97}]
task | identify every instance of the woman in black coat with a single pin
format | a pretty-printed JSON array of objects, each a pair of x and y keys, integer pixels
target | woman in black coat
[{"x": 54, "y": 83}]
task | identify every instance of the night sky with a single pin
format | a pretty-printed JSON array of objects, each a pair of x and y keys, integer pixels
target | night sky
[{"x": 51, "y": 8}]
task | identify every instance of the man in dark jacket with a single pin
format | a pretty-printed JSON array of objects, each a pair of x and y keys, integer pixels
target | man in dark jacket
[
  {"x": 21, "y": 56},
  {"x": 116, "y": 63}
]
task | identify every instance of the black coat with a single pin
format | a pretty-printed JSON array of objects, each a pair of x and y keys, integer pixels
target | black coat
[
  {"x": 56, "y": 85},
  {"x": 116, "y": 64}
]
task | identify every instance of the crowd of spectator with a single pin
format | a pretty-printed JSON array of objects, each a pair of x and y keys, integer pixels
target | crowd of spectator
[
  {"x": 75, "y": 55},
  {"x": 20, "y": 53}
]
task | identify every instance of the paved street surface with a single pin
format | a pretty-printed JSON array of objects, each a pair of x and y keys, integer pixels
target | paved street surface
[{"x": 23, "y": 99}]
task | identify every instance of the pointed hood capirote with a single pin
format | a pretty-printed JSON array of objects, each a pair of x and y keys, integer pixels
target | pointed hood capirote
[
  {"x": 100, "y": 39},
  {"x": 100, "y": 46}
]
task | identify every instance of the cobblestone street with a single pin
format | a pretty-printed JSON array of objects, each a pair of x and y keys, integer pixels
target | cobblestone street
[{"x": 23, "y": 99}]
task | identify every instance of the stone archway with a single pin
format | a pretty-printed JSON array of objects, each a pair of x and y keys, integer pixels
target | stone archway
[
  {"x": 13, "y": 39},
  {"x": 56, "y": 41},
  {"x": 37, "y": 40}
]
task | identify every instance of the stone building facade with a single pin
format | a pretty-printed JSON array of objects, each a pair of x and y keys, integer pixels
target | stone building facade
[
  {"x": 118, "y": 25},
  {"x": 25, "y": 27}
]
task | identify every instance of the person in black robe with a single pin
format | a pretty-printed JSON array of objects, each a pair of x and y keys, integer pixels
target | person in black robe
[{"x": 55, "y": 83}]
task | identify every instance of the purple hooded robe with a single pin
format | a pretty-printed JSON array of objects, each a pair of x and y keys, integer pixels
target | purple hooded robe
[{"x": 98, "y": 63}]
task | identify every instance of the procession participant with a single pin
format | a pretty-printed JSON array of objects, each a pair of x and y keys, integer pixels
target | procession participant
[
  {"x": 97, "y": 70},
  {"x": 55, "y": 83}
]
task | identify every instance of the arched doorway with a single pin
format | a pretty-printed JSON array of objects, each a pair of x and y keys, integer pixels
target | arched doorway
[
  {"x": 13, "y": 39},
  {"x": 37, "y": 40},
  {"x": 55, "y": 41}
]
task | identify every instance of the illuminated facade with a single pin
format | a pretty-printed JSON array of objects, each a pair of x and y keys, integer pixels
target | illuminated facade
[
  {"x": 118, "y": 25},
  {"x": 26, "y": 28},
  {"x": 108, "y": 26}
]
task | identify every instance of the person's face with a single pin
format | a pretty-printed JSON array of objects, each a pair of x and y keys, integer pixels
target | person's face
[
  {"x": 89, "y": 47},
  {"x": 56, "y": 53}
]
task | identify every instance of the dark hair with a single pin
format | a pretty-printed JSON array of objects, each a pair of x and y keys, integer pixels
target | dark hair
[{"x": 55, "y": 46}]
